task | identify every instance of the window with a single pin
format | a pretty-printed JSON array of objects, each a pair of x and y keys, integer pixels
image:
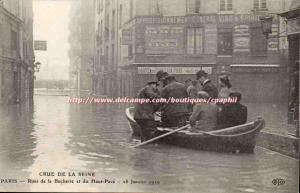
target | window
[
  {"x": 225, "y": 42},
  {"x": 193, "y": 6},
  {"x": 258, "y": 42},
  {"x": 101, "y": 27},
  {"x": 106, "y": 33},
  {"x": 130, "y": 52},
  {"x": 155, "y": 8},
  {"x": 14, "y": 40},
  {"x": 120, "y": 15},
  {"x": 106, "y": 58},
  {"x": 260, "y": 4},
  {"x": 99, "y": 6},
  {"x": 225, "y": 5},
  {"x": 194, "y": 41},
  {"x": 131, "y": 9},
  {"x": 113, "y": 24},
  {"x": 113, "y": 54}
]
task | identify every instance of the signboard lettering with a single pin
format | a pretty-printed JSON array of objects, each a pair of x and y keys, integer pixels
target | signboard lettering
[
  {"x": 40, "y": 45},
  {"x": 173, "y": 70}
]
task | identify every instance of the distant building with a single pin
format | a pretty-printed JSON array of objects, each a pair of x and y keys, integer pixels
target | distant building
[
  {"x": 16, "y": 51},
  {"x": 81, "y": 41},
  {"x": 107, "y": 46}
]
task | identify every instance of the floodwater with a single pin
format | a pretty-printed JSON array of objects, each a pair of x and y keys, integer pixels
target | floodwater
[{"x": 52, "y": 136}]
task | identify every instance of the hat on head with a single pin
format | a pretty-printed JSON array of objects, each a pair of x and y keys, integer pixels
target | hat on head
[
  {"x": 170, "y": 77},
  {"x": 202, "y": 94},
  {"x": 159, "y": 74},
  {"x": 152, "y": 82},
  {"x": 201, "y": 73},
  {"x": 237, "y": 95}
]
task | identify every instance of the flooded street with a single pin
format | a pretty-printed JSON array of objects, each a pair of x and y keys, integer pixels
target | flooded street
[{"x": 54, "y": 136}]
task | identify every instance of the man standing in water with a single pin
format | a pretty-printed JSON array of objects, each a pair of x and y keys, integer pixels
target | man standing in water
[
  {"x": 144, "y": 113},
  {"x": 174, "y": 114}
]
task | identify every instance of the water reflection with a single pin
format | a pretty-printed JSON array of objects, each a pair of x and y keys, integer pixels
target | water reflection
[
  {"x": 87, "y": 138},
  {"x": 17, "y": 143}
]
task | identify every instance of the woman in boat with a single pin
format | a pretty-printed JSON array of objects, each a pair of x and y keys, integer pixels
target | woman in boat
[
  {"x": 232, "y": 114},
  {"x": 204, "y": 116},
  {"x": 225, "y": 87}
]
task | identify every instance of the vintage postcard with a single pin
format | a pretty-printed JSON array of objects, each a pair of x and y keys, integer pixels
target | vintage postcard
[{"x": 149, "y": 96}]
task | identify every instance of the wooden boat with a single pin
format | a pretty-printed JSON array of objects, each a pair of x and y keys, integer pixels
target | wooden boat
[{"x": 241, "y": 138}]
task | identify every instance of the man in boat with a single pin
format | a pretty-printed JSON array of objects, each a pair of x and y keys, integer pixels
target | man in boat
[
  {"x": 207, "y": 85},
  {"x": 192, "y": 91},
  {"x": 232, "y": 114},
  {"x": 204, "y": 116},
  {"x": 174, "y": 114},
  {"x": 144, "y": 113},
  {"x": 187, "y": 83},
  {"x": 161, "y": 79}
]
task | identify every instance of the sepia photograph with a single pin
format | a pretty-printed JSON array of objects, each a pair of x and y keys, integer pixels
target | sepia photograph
[{"x": 149, "y": 96}]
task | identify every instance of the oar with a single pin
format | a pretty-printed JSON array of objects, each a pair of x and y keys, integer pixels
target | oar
[{"x": 161, "y": 136}]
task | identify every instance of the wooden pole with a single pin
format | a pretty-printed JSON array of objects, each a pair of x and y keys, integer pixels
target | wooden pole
[{"x": 161, "y": 136}]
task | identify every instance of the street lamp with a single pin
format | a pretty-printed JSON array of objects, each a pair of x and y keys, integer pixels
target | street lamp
[
  {"x": 266, "y": 25},
  {"x": 37, "y": 66}
]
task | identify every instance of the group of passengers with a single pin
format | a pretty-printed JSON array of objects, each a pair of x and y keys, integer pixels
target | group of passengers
[{"x": 201, "y": 116}]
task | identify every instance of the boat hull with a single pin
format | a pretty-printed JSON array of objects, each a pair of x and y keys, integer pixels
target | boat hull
[{"x": 240, "y": 138}]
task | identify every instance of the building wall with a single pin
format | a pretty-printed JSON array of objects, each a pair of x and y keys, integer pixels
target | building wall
[
  {"x": 134, "y": 55},
  {"x": 82, "y": 41},
  {"x": 16, "y": 51}
]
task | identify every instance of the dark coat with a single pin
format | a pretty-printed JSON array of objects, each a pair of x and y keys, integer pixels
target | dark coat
[
  {"x": 211, "y": 89},
  {"x": 177, "y": 91},
  {"x": 146, "y": 110},
  {"x": 232, "y": 115},
  {"x": 204, "y": 116}
]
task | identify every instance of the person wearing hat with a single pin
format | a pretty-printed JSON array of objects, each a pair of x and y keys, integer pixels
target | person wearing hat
[
  {"x": 225, "y": 87},
  {"x": 207, "y": 85},
  {"x": 161, "y": 79},
  {"x": 174, "y": 114},
  {"x": 232, "y": 114},
  {"x": 144, "y": 113}
]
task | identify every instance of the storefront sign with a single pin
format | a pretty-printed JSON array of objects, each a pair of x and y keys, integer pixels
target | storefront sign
[
  {"x": 40, "y": 45},
  {"x": 293, "y": 26},
  {"x": 173, "y": 70},
  {"x": 273, "y": 39},
  {"x": 164, "y": 39},
  {"x": 203, "y": 19},
  {"x": 255, "y": 68},
  {"x": 241, "y": 38}
]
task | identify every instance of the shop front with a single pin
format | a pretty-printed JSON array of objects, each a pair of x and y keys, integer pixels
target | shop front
[{"x": 293, "y": 32}]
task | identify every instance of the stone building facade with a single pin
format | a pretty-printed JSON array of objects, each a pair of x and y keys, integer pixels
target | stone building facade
[
  {"x": 136, "y": 38},
  {"x": 16, "y": 51},
  {"x": 81, "y": 41}
]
